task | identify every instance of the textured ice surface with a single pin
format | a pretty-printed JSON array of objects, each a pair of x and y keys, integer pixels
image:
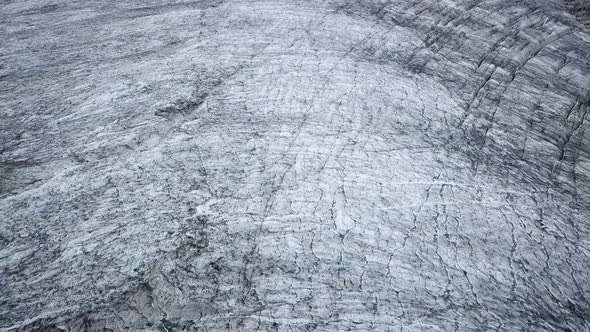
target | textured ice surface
[{"x": 294, "y": 165}]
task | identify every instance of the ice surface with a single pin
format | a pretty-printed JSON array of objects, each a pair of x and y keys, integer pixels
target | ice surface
[{"x": 412, "y": 165}]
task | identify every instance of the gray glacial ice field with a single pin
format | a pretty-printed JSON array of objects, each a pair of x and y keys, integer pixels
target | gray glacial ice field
[{"x": 290, "y": 165}]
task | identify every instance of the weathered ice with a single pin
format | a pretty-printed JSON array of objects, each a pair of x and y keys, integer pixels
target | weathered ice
[{"x": 290, "y": 165}]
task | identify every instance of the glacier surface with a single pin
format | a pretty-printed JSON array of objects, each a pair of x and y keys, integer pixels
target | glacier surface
[{"x": 403, "y": 165}]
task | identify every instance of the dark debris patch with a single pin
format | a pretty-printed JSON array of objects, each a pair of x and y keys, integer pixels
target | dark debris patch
[{"x": 181, "y": 107}]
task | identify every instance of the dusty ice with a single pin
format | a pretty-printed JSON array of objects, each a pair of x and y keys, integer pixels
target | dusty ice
[{"x": 294, "y": 165}]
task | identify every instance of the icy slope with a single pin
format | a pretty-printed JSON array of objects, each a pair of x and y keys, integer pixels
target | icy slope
[{"x": 294, "y": 165}]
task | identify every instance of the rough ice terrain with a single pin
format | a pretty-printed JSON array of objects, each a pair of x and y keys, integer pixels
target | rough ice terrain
[{"x": 290, "y": 165}]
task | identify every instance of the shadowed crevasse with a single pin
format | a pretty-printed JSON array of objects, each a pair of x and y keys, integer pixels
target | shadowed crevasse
[{"x": 580, "y": 9}]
